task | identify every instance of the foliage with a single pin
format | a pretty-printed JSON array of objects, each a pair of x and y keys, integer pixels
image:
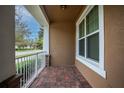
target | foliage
[
  {"x": 22, "y": 30},
  {"x": 22, "y": 33},
  {"x": 39, "y": 42}
]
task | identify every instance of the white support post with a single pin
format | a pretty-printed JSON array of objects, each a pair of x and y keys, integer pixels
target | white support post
[{"x": 46, "y": 39}]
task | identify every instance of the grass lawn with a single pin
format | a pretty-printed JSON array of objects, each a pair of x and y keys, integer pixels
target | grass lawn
[{"x": 22, "y": 50}]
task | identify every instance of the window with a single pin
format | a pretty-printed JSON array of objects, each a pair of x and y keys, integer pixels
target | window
[{"x": 90, "y": 39}]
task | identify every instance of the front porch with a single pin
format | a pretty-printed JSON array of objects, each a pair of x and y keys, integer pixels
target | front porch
[
  {"x": 88, "y": 38},
  {"x": 59, "y": 42}
]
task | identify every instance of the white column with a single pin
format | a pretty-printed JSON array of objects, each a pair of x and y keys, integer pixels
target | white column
[{"x": 46, "y": 39}]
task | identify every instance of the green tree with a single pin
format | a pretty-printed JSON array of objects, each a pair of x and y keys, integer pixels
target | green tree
[
  {"x": 39, "y": 41},
  {"x": 22, "y": 30}
]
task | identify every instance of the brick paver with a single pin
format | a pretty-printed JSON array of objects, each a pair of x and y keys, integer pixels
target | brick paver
[{"x": 60, "y": 77}]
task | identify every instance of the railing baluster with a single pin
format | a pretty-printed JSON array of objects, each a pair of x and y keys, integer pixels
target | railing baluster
[
  {"x": 22, "y": 71},
  {"x": 20, "y": 62},
  {"x": 26, "y": 69},
  {"x": 29, "y": 68},
  {"x": 17, "y": 66},
  {"x": 36, "y": 63}
]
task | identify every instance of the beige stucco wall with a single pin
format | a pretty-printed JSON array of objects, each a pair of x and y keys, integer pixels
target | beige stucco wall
[
  {"x": 62, "y": 43},
  {"x": 114, "y": 51},
  {"x": 7, "y": 45}
]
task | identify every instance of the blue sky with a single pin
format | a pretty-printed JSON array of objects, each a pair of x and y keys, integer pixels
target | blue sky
[{"x": 30, "y": 21}]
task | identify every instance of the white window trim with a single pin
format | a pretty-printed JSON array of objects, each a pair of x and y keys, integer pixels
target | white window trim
[{"x": 97, "y": 67}]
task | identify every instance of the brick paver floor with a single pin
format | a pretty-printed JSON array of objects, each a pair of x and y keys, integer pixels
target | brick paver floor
[{"x": 60, "y": 77}]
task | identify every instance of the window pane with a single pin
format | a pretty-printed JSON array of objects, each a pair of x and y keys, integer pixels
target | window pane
[
  {"x": 81, "y": 29},
  {"x": 81, "y": 47},
  {"x": 93, "y": 47},
  {"x": 92, "y": 20}
]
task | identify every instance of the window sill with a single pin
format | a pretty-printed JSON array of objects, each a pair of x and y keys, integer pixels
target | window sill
[{"x": 92, "y": 66}]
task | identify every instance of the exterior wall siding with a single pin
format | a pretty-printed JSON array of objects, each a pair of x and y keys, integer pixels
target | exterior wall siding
[
  {"x": 7, "y": 46},
  {"x": 62, "y": 43},
  {"x": 114, "y": 51}
]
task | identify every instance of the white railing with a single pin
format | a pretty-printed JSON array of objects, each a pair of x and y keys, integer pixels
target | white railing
[{"x": 29, "y": 66}]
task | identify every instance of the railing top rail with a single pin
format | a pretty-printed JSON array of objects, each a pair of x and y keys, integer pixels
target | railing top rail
[{"x": 26, "y": 55}]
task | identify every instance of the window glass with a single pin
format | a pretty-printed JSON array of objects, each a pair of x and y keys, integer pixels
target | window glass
[
  {"x": 93, "y": 47},
  {"x": 81, "y": 47},
  {"x": 92, "y": 20},
  {"x": 81, "y": 29}
]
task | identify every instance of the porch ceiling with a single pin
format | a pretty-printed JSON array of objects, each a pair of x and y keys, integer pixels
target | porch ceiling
[{"x": 55, "y": 13}]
